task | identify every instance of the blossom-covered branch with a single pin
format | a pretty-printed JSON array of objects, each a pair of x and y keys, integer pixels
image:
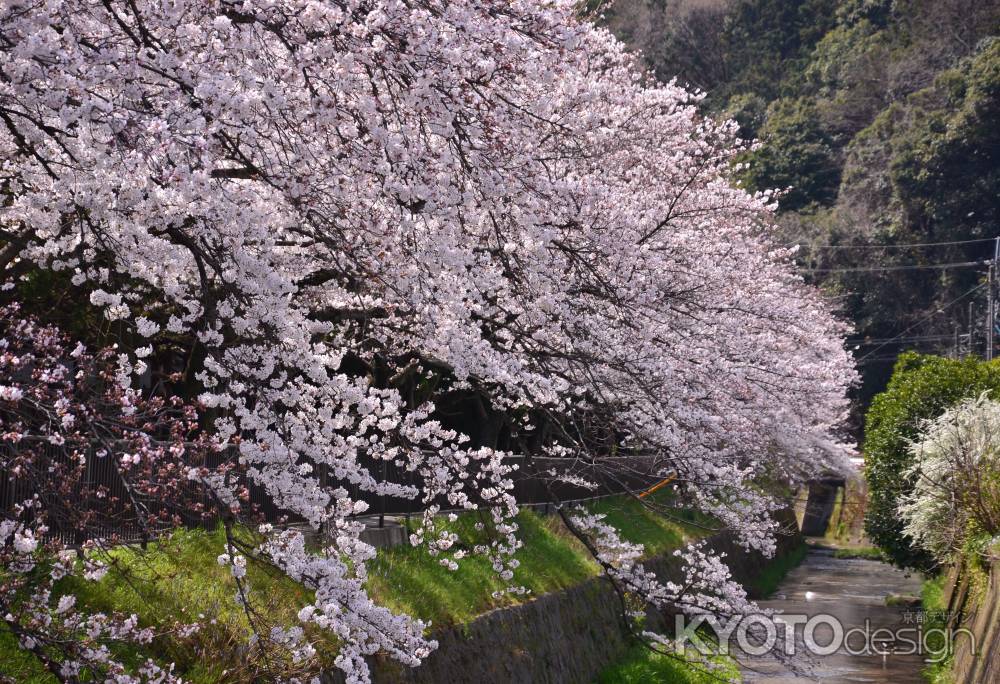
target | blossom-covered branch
[{"x": 363, "y": 210}]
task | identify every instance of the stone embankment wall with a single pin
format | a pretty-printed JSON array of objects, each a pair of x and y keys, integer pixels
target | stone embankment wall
[
  {"x": 973, "y": 602},
  {"x": 834, "y": 509},
  {"x": 566, "y": 637}
]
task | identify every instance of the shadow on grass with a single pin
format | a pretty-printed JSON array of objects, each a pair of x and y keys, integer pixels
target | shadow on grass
[{"x": 642, "y": 666}]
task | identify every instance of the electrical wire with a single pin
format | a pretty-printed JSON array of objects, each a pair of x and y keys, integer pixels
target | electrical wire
[
  {"x": 916, "y": 338},
  {"x": 877, "y": 359},
  {"x": 907, "y": 267},
  {"x": 906, "y": 245},
  {"x": 925, "y": 319}
]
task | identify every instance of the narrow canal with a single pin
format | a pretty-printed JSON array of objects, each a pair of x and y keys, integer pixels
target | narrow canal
[{"x": 852, "y": 592}]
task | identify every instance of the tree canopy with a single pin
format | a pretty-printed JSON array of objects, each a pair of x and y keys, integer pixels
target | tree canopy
[{"x": 349, "y": 215}]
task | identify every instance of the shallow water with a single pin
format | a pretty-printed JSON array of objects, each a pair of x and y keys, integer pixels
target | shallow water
[{"x": 853, "y": 592}]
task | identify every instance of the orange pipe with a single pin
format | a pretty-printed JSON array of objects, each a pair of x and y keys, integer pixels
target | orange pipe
[{"x": 661, "y": 483}]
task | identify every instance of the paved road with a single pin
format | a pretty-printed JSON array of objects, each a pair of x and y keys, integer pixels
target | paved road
[{"x": 852, "y": 591}]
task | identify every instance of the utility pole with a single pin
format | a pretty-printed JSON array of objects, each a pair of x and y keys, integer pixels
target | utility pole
[
  {"x": 989, "y": 312},
  {"x": 970, "y": 349}
]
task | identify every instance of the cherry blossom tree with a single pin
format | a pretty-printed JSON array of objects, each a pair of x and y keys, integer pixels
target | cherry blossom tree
[
  {"x": 359, "y": 211},
  {"x": 62, "y": 408}
]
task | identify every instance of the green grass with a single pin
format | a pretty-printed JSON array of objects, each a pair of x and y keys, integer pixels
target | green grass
[
  {"x": 932, "y": 593},
  {"x": 861, "y": 552},
  {"x": 902, "y": 600},
  {"x": 407, "y": 580},
  {"x": 642, "y": 666},
  {"x": 17, "y": 665},
  {"x": 932, "y": 599},
  {"x": 179, "y": 578},
  {"x": 176, "y": 579},
  {"x": 658, "y": 533},
  {"x": 835, "y": 528},
  {"x": 775, "y": 570}
]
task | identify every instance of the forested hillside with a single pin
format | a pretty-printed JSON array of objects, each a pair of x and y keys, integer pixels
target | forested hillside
[{"x": 881, "y": 117}]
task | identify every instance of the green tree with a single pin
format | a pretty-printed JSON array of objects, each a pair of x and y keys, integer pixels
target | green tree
[
  {"x": 921, "y": 387},
  {"x": 797, "y": 154},
  {"x": 947, "y": 171},
  {"x": 749, "y": 111},
  {"x": 766, "y": 41}
]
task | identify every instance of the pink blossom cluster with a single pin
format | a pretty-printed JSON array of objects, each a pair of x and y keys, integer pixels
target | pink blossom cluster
[{"x": 357, "y": 207}]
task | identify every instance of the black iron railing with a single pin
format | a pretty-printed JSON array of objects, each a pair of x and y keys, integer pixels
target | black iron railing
[{"x": 112, "y": 506}]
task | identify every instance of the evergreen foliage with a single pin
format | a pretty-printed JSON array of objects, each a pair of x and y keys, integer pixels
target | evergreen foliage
[{"x": 922, "y": 387}]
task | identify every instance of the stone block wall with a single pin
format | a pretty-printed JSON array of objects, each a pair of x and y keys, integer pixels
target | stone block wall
[{"x": 566, "y": 637}]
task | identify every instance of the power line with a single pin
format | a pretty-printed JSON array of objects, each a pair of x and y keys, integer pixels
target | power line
[
  {"x": 904, "y": 245},
  {"x": 917, "y": 338},
  {"x": 907, "y": 267},
  {"x": 877, "y": 359},
  {"x": 925, "y": 319}
]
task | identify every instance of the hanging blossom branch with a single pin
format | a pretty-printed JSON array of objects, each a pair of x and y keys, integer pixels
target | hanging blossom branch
[
  {"x": 60, "y": 406},
  {"x": 365, "y": 210},
  {"x": 68, "y": 414}
]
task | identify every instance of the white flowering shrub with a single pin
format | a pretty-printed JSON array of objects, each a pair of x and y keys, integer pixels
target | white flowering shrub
[{"x": 956, "y": 473}]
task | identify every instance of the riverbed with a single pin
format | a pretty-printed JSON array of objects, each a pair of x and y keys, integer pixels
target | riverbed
[{"x": 853, "y": 592}]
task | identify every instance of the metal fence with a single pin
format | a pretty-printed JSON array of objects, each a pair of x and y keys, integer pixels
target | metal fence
[{"x": 109, "y": 504}]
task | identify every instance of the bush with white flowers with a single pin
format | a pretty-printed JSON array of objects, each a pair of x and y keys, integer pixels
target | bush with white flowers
[{"x": 956, "y": 472}]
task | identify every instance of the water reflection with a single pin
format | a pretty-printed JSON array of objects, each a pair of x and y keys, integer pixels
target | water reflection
[{"x": 853, "y": 591}]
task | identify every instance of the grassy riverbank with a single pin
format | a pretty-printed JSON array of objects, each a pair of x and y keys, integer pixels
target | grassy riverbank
[
  {"x": 642, "y": 666},
  {"x": 770, "y": 576},
  {"x": 934, "y": 607},
  {"x": 179, "y": 578},
  {"x": 407, "y": 580}
]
